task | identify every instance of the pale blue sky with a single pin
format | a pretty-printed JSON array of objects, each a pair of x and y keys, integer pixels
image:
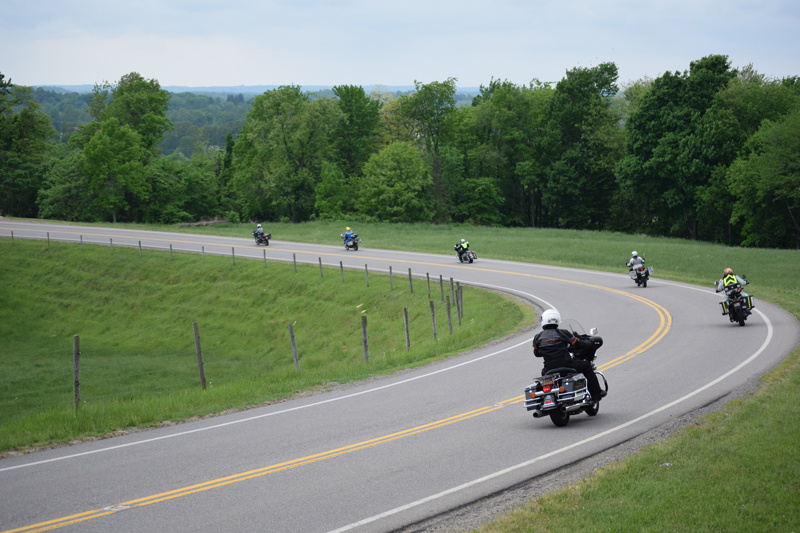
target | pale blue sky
[{"x": 201, "y": 43}]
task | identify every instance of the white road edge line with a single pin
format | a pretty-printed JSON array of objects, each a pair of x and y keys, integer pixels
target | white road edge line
[{"x": 566, "y": 448}]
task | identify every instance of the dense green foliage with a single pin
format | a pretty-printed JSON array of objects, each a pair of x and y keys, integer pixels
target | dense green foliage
[{"x": 684, "y": 155}]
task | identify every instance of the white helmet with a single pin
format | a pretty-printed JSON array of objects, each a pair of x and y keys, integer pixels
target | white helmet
[
  {"x": 259, "y": 225},
  {"x": 551, "y": 316},
  {"x": 634, "y": 254},
  {"x": 463, "y": 241}
]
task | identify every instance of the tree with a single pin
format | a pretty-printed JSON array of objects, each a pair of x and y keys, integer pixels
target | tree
[
  {"x": 281, "y": 150},
  {"x": 141, "y": 104},
  {"x": 736, "y": 113},
  {"x": 657, "y": 172},
  {"x": 65, "y": 193},
  {"x": 429, "y": 106},
  {"x": 396, "y": 185},
  {"x": 333, "y": 197},
  {"x": 355, "y": 135},
  {"x": 765, "y": 181},
  {"x": 509, "y": 120},
  {"x": 25, "y": 136},
  {"x": 581, "y": 144},
  {"x": 115, "y": 167}
]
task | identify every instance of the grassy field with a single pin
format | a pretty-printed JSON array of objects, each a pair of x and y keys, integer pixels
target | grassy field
[
  {"x": 735, "y": 470},
  {"x": 138, "y": 362}
]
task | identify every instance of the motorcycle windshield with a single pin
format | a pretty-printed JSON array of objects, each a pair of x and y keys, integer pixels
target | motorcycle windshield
[{"x": 572, "y": 325}]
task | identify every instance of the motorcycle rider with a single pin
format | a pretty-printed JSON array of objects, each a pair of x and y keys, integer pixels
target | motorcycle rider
[
  {"x": 553, "y": 345},
  {"x": 634, "y": 260},
  {"x": 348, "y": 235},
  {"x": 259, "y": 233},
  {"x": 728, "y": 279},
  {"x": 461, "y": 248}
]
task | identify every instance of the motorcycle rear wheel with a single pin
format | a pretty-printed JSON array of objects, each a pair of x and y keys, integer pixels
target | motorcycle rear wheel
[
  {"x": 740, "y": 316},
  {"x": 644, "y": 282},
  {"x": 559, "y": 418}
]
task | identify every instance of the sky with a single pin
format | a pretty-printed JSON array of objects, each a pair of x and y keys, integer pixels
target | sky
[{"x": 198, "y": 43}]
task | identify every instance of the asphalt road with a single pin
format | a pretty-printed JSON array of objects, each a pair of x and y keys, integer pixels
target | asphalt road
[{"x": 382, "y": 454}]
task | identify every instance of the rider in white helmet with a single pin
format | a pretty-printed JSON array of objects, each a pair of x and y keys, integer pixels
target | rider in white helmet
[
  {"x": 553, "y": 345},
  {"x": 260, "y": 230},
  {"x": 461, "y": 248},
  {"x": 634, "y": 260}
]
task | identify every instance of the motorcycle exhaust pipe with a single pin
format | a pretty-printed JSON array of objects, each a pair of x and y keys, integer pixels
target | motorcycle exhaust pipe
[
  {"x": 571, "y": 408},
  {"x": 537, "y": 413}
]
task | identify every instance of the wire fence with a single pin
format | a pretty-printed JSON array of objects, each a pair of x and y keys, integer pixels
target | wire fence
[
  {"x": 95, "y": 378},
  {"x": 90, "y": 375}
]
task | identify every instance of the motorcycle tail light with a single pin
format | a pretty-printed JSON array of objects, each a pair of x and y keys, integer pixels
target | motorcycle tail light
[{"x": 546, "y": 388}]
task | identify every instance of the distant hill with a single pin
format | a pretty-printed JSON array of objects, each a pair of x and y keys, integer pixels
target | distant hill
[{"x": 243, "y": 89}]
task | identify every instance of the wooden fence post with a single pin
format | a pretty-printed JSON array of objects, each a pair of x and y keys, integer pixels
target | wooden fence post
[
  {"x": 199, "y": 351},
  {"x": 441, "y": 286},
  {"x": 233, "y": 257},
  {"x": 294, "y": 349},
  {"x": 294, "y": 260},
  {"x": 428, "y": 277},
  {"x": 364, "y": 337},
  {"x": 341, "y": 269},
  {"x": 81, "y": 243},
  {"x": 111, "y": 244},
  {"x": 452, "y": 292},
  {"x": 458, "y": 302},
  {"x": 433, "y": 319},
  {"x": 140, "y": 248},
  {"x": 366, "y": 271},
  {"x": 391, "y": 281},
  {"x": 76, "y": 370},
  {"x": 405, "y": 321},
  {"x": 48, "y": 239},
  {"x": 449, "y": 316},
  {"x": 12, "y": 238},
  {"x": 461, "y": 300},
  {"x": 265, "y": 259},
  {"x": 203, "y": 253},
  {"x": 410, "y": 283},
  {"x": 320, "y": 266},
  {"x": 170, "y": 252}
]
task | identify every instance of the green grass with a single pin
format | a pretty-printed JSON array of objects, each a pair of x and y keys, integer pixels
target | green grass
[{"x": 138, "y": 362}]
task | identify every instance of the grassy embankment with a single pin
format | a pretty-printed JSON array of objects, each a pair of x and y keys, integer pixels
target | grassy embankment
[
  {"x": 134, "y": 317},
  {"x": 735, "y": 470}
]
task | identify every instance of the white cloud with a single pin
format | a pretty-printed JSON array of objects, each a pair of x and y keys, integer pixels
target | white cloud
[{"x": 201, "y": 43}]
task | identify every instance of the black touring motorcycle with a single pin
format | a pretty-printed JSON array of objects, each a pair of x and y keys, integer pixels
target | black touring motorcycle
[{"x": 562, "y": 392}]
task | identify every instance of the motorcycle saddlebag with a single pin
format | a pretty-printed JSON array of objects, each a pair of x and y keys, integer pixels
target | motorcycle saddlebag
[
  {"x": 650, "y": 271},
  {"x": 724, "y": 307},
  {"x": 633, "y": 274},
  {"x": 749, "y": 302}
]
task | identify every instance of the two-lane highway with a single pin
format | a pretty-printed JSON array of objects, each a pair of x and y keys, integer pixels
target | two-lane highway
[{"x": 388, "y": 452}]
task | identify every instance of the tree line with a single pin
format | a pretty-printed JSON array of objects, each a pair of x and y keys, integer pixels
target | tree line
[{"x": 710, "y": 153}]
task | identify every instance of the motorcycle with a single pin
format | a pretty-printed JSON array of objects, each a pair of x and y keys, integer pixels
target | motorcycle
[
  {"x": 352, "y": 243},
  {"x": 563, "y": 392},
  {"x": 640, "y": 274},
  {"x": 738, "y": 305},
  {"x": 469, "y": 255},
  {"x": 262, "y": 238}
]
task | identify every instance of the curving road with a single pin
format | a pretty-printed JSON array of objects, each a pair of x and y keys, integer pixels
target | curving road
[{"x": 392, "y": 451}]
